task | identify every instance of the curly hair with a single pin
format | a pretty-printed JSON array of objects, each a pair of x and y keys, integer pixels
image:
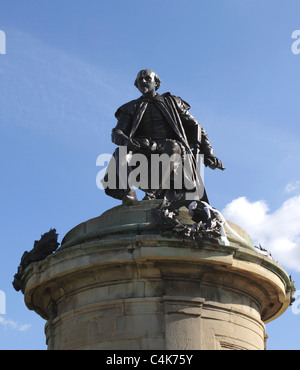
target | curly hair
[{"x": 156, "y": 78}]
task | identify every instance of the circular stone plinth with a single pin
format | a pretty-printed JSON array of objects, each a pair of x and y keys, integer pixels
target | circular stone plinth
[
  {"x": 131, "y": 221},
  {"x": 116, "y": 283}
]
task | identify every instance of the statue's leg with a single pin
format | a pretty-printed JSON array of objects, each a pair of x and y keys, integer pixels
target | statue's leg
[
  {"x": 150, "y": 193},
  {"x": 123, "y": 171},
  {"x": 166, "y": 169},
  {"x": 173, "y": 150},
  {"x": 164, "y": 175}
]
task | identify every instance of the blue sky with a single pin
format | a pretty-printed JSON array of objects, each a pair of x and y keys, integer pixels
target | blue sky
[{"x": 70, "y": 64}]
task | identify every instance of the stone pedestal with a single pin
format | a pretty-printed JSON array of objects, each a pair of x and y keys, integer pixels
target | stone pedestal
[{"x": 116, "y": 283}]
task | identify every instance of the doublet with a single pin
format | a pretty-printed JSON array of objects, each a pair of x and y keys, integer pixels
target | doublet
[{"x": 154, "y": 125}]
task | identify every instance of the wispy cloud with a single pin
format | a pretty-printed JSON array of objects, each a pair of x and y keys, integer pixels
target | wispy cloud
[
  {"x": 52, "y": 91},
  {"x": 292, "y": 187},
  {"x": 278, "y": 231},
  {"x": 14, "y": 325}
]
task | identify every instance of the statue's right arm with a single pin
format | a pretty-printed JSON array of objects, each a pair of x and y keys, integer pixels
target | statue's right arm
[{"x": 120, "y": 133}]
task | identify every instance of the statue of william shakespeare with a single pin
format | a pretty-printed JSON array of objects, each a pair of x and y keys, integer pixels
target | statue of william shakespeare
[{"x": 160, "y": 147}]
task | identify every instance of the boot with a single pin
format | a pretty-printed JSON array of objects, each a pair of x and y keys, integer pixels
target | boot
[{"x": 129, "y": 198}]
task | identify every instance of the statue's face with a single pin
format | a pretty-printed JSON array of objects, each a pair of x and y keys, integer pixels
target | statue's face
[{"x": 146, "y": 82}]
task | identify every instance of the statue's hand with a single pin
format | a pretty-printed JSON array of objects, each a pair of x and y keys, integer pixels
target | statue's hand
[
  {"x": 213, "y": 163},
  {"x": 147, "y": 144},
  {"x": 131, "y": 144}
]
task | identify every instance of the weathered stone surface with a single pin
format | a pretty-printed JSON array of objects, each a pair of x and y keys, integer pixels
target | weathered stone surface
[{"x": 116, "y": 283}]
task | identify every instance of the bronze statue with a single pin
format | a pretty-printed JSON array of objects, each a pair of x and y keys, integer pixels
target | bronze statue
[
  {"x": 158, "y": 124},
  {"x": 148, "y": 130}
]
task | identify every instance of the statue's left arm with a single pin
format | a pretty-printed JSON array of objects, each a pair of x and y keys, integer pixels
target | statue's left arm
[{"x": 197, "y": 136}]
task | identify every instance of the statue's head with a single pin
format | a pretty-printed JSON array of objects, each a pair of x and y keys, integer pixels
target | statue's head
[{"x": 147, "y": 80}]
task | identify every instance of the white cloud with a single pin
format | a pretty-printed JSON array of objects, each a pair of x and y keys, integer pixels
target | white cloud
[
  {"x": 278, "y": 232},
  {"x": 14, "y": 325},
  {"x": 292, "y": 187}
]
